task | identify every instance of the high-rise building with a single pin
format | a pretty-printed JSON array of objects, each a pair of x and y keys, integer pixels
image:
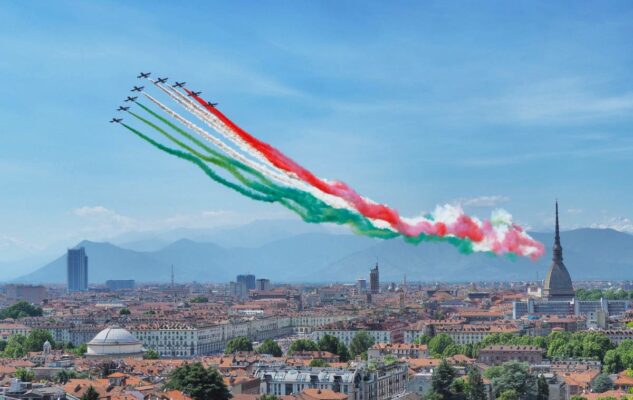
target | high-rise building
[
  {"x": 263, "y": 285},
  {"x": 558, "y": 284},
  {"x": 374, "y": 280},
  {"x": 361, "y": 285},
  {"x": 238, "y": 289},
  {"x": 77, "y": 270},
  {"x": 248, "y": 280}
]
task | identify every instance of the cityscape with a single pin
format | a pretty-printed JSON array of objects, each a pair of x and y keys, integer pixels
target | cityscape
[{"x": 153, "y": 249}]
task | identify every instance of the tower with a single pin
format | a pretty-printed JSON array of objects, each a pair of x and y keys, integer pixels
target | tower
[
  {"x": 558, "y": 285},
  {"x": 77, "y": 270},
  {"x": 374, "y": 280}
]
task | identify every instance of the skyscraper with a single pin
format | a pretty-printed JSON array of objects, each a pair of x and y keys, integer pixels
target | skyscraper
[
  {"x": 248, "y": 280},
  {"x": 374, "y": 280},
  {"x": 558, "y": 284},
  {"x": 77, "y": 270}
]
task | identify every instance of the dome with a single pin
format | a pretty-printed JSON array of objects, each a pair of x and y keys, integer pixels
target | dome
[
  {"x": 114, "y": 341},
  {"x": 114, "y": 335}
]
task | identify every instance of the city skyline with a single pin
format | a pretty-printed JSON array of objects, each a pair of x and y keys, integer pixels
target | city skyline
[{"x": 415, "y": 135}]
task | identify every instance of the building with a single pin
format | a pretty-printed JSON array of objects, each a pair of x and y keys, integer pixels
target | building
[
  {"x": 498, "y": 354},
  {"x": 77, "y": 270},
  {"x": 238, "y": 289},
  {"x": 34, "y": 294},
  {"x": 399, "y": 350},
  {"x": 263, "y": 285},
  {"x": 361, "y": 285},
  {"x": 374, "y": 280},
  {"x": 120, "y": 284},
  {"x": 358, "y": 382},
  {"x": 114, "y": 342},
  {"x": 248, "y": 280},
  {"x": 557, "y": 285}
]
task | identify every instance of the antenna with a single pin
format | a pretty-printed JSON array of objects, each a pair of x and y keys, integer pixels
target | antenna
[{"x": 172, "y": 275}]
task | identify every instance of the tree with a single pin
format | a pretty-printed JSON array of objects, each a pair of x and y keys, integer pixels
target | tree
[
  {"x": 15, "y": 347},
  {"x": 198, "y": 382},
  {"x": 268, "y": 397},
  {"x": 333, "y": 345},
  {"x": 241, "y": 343},
  {"x": 24, "y": 374},
  {"x": 438, "y": 344},
  {"x": 21, "y": 309},
  {"x": 80, "y": 350},
  {"x": 271, "y": 347},
  {"x": 151, "y": 354},
  {"x": 422, "y": 339},
  {"x": 90, "y": 394},
  {"x": 199, "y": 299},
  {"x": 476, "y": 389},
  {"x": 361, "y": 342},
  {"x": 515, "y": 375},
  {"x": 602, "y": 383},
  {"x": 36, "y": 339},
  {"x": 319, "y": 362},
  {"x": 302, "y": 345},
  {"x": 63, "y": 376},
  {"x": 542, "y": 388},
  {"x": 509, "y": 394},
  {"x": 124, "y": 311},
  {"x": 328, "y": 343},
  {"x": 342, "y": 352},
  {"x": 442, "y": 379}
]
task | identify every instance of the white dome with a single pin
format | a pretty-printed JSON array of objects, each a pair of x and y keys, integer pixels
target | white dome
[
  {"x": 114, "y": 335},
  {"x": 114, "y": 341}
]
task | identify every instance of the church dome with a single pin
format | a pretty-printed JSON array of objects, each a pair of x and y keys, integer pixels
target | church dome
[{"x": 114, "y": 341}]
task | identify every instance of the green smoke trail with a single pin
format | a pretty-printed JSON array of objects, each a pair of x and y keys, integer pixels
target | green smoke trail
[
  {"x": 308, "y": 207},
  {"x": 210, "y": 173}
]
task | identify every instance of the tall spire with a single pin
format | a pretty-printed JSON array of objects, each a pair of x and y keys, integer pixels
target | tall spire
[{"x": 558, "y": 249}]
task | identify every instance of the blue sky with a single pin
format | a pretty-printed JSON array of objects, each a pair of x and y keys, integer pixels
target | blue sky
[{"x": 415, "y": 104}]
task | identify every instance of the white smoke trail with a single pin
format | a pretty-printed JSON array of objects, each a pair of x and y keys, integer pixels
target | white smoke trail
[{"x": 276, "y": 175}]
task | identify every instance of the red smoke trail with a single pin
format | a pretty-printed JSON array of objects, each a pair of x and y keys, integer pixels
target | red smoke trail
[{"x": 463, "y": 227}]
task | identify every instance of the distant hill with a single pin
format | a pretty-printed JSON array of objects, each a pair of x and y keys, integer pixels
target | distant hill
[{"x": 327, "y": 257}]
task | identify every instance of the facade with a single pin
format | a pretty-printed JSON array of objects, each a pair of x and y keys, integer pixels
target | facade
[
  {"x": 557, "y": 285},
  {"x": 498, "y": 354},
  {"x": 77, "y": 270},
  {"x": 33, "y": 294},
  {"x": 399, "y": 350},
  {"x": 385, "y": 334},
  {"x": 248, "y": 280},
  {"x": 358, "y": 383},
  {"x": 374, "y": 280},
  {"x": 120, "y": 284}
]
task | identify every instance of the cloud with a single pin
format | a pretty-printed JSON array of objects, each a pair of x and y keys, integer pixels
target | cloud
[
  {"x": 102, "y": 213},
  {"x": 560, "y": 100},
  {"x": 622, "y": 224},
  {"x": 575, "y": 210},
  {"x": 482, "y": 201}
]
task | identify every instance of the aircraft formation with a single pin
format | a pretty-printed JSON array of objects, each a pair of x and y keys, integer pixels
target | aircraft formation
[{"x": 159, "y": 80}]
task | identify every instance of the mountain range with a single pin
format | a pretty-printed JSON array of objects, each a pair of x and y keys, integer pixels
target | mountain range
[{"x": 285, "y": 251}]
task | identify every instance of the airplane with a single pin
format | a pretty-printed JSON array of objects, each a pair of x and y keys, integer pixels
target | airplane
[
  {"x": 144, "y": 75},
  {"x": 192, "y": 93},
  {"x": 131, "y": 98},
  {"x": 121, "y": 108},
  {"x": 137, "y": 88},
  {"x": 179, "y": 84},
  {"x": 117, "y": 120},
  {"x": 211, "y": 104},
  {"x": 161, "y": 80}
]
